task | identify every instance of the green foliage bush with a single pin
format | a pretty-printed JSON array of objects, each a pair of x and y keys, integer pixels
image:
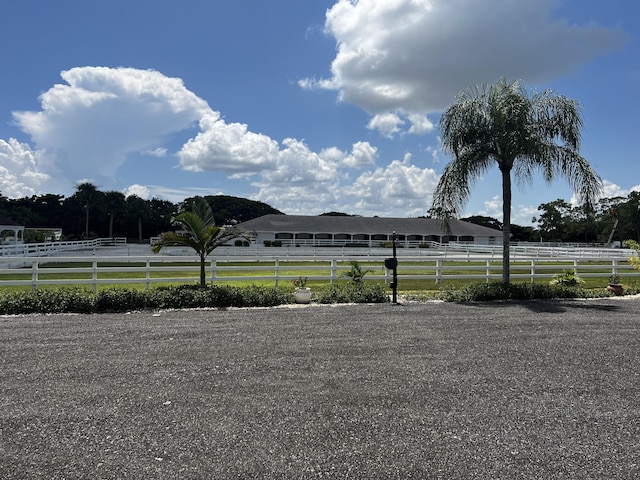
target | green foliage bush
[
  {"x": 350, "y": 292},
  {"x": 517, "y": 291},
  {"x": 257, "y": 296},
  {"x": 113, "y": 300},
  {"x": 118, "y": 300},
  {"x": 77, "y": 300},
  {"x": 568, "y": 278},
  {"x": 46, "y": 301}
]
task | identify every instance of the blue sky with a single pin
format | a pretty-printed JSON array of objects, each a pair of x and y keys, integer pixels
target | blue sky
[{"x": 309, "y": 106}]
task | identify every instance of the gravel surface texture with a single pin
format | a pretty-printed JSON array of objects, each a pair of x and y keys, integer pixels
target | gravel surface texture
[{"x": 535, "y": 390}]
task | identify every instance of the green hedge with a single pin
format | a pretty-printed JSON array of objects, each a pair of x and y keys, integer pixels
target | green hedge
[
  {"x": 518, "y": 291},
  {"x": 76, "y": 300},
  {"x": 350, "y": 292}
]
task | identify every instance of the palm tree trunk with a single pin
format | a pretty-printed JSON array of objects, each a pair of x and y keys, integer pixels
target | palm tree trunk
[
  {"x": 111, "y": 217},
  {"x": 86, "y": 222},
  {"x": 506, "y": 223},
  {"x": 203, "y": 282}
]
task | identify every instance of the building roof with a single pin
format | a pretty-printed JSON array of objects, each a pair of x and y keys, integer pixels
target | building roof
[
  {"x": 368, "y": 225},
  {"x": 8, "y": 222}
]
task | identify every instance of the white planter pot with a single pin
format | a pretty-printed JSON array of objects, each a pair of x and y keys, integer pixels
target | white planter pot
[{"x": 302, "y": 295}]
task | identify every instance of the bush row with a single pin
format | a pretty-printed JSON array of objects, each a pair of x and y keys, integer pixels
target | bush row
[
  {"x": 519, "y": 291},
  {"x": 76, "y": 300}
]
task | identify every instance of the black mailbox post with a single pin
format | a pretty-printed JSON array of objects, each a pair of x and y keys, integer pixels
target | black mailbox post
[{"x": 392, "y": 264}]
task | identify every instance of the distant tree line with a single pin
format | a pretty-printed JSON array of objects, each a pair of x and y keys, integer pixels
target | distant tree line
[
  {"x": 91, "y": 213},
  {"x": 616, "y": 218}
]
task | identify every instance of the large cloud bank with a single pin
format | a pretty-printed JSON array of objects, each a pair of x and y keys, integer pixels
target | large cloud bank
[
  {"x": 398, "y": 60},
  {"x": 407, "y": 58}
]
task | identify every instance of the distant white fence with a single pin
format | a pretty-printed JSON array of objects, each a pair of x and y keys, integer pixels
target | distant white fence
[
  {"x": 277, "y": 269},
  {"x": 50, "y": 248},
  {"x": 427, "y": 249},
  {"x": 435, "y": 249}
]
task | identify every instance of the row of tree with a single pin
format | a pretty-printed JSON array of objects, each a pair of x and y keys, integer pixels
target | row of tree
[
  {"x": 612, "y": 220},
  {"x": 91, "y": 213}
]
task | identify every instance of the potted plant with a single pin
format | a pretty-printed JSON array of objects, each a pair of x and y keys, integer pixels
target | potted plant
[
  {"x": 614, "y": 284},
  {"x": 302, "y": 293}
]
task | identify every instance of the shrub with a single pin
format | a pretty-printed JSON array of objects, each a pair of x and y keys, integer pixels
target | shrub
[
  {"x": 258, "y": 296},
  {"x": 181, "y": 296},
  {"x": 356, "y": 274},
  {"x": 47, "y": 301},
  {"x": 225, "y": 296},
  {"x": 119, "y": 300},
  {"x": 216, "y": 296},
  {"x": 352, "y": 293},
  {"x": 635, "y": 258},
  {"x": 568, "y": 278},
  {"x": 513, "y": 291}
]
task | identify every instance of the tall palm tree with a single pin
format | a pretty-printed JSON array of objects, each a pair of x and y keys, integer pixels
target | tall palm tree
[
  {"x": 198, "y": 231},
  {"x": 115, "y": 205},
  {"x": 501, "y": 123},
  {"x": 87, "y": 194},
  {"x": 137, "y": 209}
]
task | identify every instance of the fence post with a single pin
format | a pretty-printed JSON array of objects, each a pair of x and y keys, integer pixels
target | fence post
[
  {"x": 438, "y": 271},
  {"x": 212, "y": 267},
  {"x": 334, "y": 270},
  {"x": 148, "y": 275},
  {"x": 94, "y": 276},
  {"x": 533, "y": 271},
  {"x": 34, "y": 275},
  {"x": 488, "y": 271},
  {"x": 277, "y": 270}
]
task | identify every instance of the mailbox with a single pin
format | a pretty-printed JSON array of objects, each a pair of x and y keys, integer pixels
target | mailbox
[{"x": 391, "y": 263}]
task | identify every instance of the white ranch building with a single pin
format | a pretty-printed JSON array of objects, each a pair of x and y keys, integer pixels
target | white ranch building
[
  {"x": 10, "y": 232},
  {"x": 303, "y": 230}
]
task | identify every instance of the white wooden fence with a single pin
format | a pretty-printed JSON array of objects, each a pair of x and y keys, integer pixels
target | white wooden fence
[
  {"x": 51, "y": 248},
  {"x": 278, "y": 270}
]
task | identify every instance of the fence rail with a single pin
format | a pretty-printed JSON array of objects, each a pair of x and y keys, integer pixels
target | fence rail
[
  {"x": 148, "y": 270},
  {"x": 51, "y": 248}
]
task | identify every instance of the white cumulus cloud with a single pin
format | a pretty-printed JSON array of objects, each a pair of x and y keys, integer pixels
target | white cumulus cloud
[
  {"x": 19, "y": 171},
  {"x": 137, "y": 190},
  {"x": 399, "y": 189},
  {"x": 387, "y": 124},
  {"x": 101, "y": 114},
  {"x": 403, "y": 57},
  {"x": 362, "y": 154},
  {"x": 229, "y": 147}
]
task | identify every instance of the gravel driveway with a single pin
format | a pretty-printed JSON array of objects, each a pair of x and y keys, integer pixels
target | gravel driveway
[{"x": 542, "y": 390}]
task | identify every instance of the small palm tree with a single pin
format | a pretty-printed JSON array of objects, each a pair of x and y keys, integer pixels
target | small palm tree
[
  {"x": 199, "y": 232},
  {"x": 357, "y": 273},
  {"x": 501, "y": 124}
]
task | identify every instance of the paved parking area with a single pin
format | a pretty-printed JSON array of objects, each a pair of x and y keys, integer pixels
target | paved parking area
[{"x": 545, "y": 389}]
